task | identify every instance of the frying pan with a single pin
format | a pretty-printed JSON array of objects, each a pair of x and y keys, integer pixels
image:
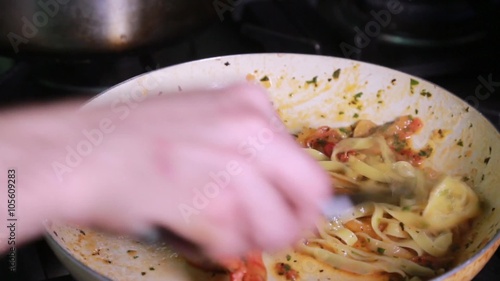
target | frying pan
[
  {"x": 387, "y": 94},
  {"x": 92, "y": 27}
]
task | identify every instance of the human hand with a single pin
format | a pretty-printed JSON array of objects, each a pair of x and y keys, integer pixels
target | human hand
[{"x": 216, "y": 167}]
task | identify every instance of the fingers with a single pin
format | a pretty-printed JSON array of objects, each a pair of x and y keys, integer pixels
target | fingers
[
  {"x": 271, "y": 222},
  {"x": 298, "y": 178},
  {"x": 219, "y": 229}
]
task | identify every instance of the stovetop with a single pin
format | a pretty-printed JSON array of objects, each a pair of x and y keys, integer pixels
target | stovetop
[{"x": 295, "y": 26}]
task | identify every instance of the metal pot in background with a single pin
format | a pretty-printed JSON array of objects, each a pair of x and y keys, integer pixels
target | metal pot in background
[{"x": 89, "y": 27}]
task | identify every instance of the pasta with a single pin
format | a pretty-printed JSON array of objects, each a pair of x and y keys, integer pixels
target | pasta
[{"x": 413, "y": 232}]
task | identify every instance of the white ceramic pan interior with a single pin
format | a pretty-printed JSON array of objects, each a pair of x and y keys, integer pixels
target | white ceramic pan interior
[{"x": 387, "y": 94}]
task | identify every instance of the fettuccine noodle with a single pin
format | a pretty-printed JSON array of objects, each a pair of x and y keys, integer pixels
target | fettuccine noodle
[{"x": 410, "y": 235}]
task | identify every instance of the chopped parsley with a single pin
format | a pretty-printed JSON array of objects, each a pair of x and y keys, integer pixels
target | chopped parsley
[
  {"x": 413, "y": 82},
  {"x": 288, "y": 257},
  {"x": 344, "y": 130},
  {"x": 425, "y": 152},
  {"x": 313, "y": 81},
  {"x": 399, "y": 144},
  {"x": 358, "y": 95},
  {"x": 355, "y": 115},
  {"x": 487, "y": 160},
  {"x": 425, "y": 93},
  {"x": 460, "y": 143},
  {"x": 336, "y": 74},
  {"x": 441, "y": 134},
  {"x": 264, "y": 79},
  {"x": 380, "y": 250}
]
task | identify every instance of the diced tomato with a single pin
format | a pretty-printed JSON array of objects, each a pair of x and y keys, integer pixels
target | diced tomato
[
  {"x": 411, "y": 156},
  {"x": 285, "y": 270},
  {"x": 415, "y": 125},
  {"x": 344, "y": 156},
  {"x": 328, "y": 148}
]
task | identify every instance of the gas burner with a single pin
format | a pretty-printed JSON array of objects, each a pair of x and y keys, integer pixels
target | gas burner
[
  {"x": 424, "y": 38},
  {"x": 427, "y": 24}
]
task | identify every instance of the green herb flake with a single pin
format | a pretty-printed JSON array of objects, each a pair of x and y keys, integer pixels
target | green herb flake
[
  {"x": 287, "y": 267},
  {"x": 336, "y": 74},
  {"x": 460, "y": 143},
  {"x": 264, "y": 79},
  {"x": 416, "y": 111},
  {"x": 358, "y": 95},
  {"x": 406, "y": 208},
  {"x": 344, "y": 130},
  {"x": 487, "y": 160},
  {"x": 398, "y": 144},
  {"x": 380, "y": 250},
  {"x": 136, "y": 257},
  {"x": 151, "y": 268},
  {"x": 441, "y": 134},
  {"x": 414, "y": 82},
  {"x": 341, "y": 112},
  {"x": 288, "y": 257},
  {"x": 355, "y": 115},
  {"x": 313, "y": 81},
  {"x": 425, "y": 93}
]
